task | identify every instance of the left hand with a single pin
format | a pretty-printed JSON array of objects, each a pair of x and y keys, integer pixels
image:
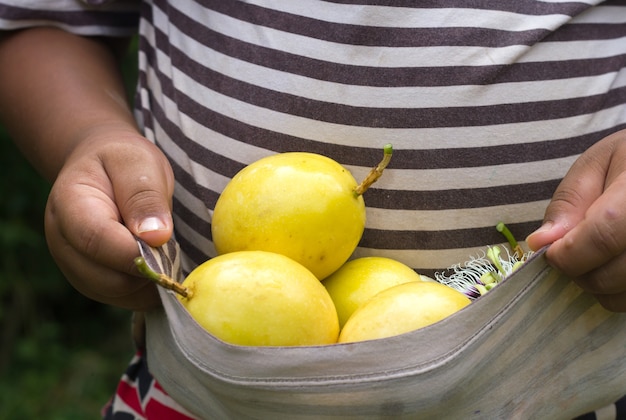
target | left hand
[{"x": 586, "y": 223}]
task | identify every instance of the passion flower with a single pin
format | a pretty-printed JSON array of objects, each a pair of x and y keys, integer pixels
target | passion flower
[{"x": 480, "y": 274}]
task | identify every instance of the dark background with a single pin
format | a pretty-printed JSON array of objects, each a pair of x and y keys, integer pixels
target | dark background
[{"x": 61, "y": 354}]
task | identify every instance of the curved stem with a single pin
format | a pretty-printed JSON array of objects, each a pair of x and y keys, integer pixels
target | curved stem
[
  {"x": 161, "y": 279},
  {"x": 376, "y": 172}
]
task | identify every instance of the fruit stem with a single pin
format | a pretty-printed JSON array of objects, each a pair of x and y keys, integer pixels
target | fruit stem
[
  {"x": 515, "y": 246},
  {"x": 376, "y": 172},
  {"x": 161, "y": 279}
]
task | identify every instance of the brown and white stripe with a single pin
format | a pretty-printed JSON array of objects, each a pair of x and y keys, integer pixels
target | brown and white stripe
[
  {"x": 486, "y": 107},
  {"x": 487, "y": 103}
]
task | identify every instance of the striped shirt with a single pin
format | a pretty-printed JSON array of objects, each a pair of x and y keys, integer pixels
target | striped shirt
[
  {"x": 486, "y": 109},
  {"x": 487, "y": 103}
]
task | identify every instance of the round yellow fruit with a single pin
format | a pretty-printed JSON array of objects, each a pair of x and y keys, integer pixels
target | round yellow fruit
[
  {"x": 298, "y": 204},
  {"x": 402, "y": 308},
  {"x": 358, "y": 280},
  {"x": 258, "y": 298}
]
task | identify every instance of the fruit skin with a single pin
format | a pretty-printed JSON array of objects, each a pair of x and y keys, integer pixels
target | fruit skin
[
  {"x": 358, "y": 280},
  {"x": 402, "y": 308},
  {"x": 298, "y": 204},
  {"x": 258, "y": 298}
]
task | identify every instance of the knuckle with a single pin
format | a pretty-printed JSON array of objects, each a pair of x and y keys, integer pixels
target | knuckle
[
  {"x": 568, "y": 195},
  {"x": 605, "y": 235},
  {"x": 599, "y": 281},
  {"x": 141, "y": 197},
  {"x": 90, "y": 240},
  {"x": 142, "y": 200},
  {"x": 606, "y": 279}
]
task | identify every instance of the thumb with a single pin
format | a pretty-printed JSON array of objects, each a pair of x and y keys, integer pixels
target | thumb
[
  {"x": 574, "y": 195},
  {"x": 143, "y": 188},
  {"x": 155, "y": 230},
  {"x": 146, "y": 212}
]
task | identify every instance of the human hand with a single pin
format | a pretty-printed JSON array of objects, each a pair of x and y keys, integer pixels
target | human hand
[
  {"x": 115, "y": 184},
  {"x": 586, "y": 223}
]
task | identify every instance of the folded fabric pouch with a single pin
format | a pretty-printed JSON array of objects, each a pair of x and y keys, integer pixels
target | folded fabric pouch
[{"x": 535, "y": 346}]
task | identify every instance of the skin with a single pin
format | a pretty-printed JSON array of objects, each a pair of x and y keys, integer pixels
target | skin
[
  {"x": 586, "y": 223},
  {"x": 63, "y": 102}
]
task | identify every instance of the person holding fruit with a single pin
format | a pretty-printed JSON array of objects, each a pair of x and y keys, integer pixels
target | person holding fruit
[{"x": 511, "y": 112}]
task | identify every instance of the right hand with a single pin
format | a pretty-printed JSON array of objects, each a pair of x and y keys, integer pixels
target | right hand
[
  {"x": 114, "y": 184},
  {"x": 585, "y": 223}
]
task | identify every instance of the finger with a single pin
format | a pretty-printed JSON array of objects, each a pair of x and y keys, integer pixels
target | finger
[
  {"x": 613, "y": 303},
  {"x": 83, "y": 218},
  {"x": 597, "y": 239},
  {"x": 143, "y": 185},
  {"x": 103, "y": 284},
  {"x": 607, "y": 279},
  {"x": 582, "y": 185}
]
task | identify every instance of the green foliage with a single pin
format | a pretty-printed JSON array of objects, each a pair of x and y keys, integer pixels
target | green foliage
[{"x": 61, "y": 354}]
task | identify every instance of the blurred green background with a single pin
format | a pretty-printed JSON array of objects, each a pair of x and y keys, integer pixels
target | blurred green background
[{"x": 61, "y": 355}]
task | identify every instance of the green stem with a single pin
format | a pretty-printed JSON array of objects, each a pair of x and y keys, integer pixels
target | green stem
[
  {"x": 376, "y": 172},
  {"x": 515, "y": 246},
  {"x": 161, "y": 279}
]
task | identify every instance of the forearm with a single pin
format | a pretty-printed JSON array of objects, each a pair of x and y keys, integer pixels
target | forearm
[{"x": 55, "y": 88}]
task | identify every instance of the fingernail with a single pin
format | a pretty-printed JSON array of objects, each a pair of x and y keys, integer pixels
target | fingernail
[
  {"x": 535, "y": 240},
  {"x": 151, "y": 224},
  {"x": 545, "y": 227}
]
